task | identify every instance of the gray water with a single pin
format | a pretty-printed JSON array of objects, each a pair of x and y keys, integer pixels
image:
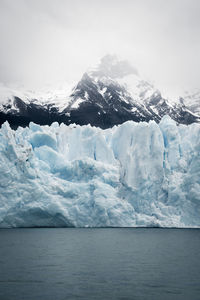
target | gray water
[{"x": 64, "y": 264}]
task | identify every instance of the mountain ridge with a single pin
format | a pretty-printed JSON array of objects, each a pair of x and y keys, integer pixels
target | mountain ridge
[{"x": 107, "y": 95}]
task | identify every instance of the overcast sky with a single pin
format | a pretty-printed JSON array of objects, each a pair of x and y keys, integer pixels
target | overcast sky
[{"x": 57, "y": 40}]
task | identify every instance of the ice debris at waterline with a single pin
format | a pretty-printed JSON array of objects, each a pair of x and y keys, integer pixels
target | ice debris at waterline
[{"x": 135, "y": 174}]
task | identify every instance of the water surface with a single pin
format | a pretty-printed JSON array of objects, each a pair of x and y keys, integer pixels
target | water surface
[{"x": 64, "y": 264}]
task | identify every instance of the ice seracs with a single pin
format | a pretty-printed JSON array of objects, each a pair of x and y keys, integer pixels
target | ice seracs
[{"x": 134, "y": 174}]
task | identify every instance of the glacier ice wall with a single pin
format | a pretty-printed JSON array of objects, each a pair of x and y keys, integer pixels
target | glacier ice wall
[{"x": 135, "y": 174}]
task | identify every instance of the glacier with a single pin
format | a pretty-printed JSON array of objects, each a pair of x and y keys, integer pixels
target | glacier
[{"x": 131, "y": 175}]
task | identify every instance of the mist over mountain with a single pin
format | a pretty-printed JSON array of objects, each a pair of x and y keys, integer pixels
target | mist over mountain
[{"x": 111, "y": 67}]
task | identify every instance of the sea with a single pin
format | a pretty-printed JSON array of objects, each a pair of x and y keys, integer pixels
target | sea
[{"x": 99, "y": 263}]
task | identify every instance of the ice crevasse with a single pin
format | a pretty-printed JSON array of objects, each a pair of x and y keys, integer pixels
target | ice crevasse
[{"x": 134, "y": 174}]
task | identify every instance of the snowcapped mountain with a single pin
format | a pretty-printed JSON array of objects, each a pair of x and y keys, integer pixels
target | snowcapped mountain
[{"x": 107, "y": 95}]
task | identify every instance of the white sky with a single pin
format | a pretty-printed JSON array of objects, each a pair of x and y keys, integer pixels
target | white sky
[{"x": 56, "y": 40}]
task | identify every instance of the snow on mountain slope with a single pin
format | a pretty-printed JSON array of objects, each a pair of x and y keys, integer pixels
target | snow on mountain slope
[
  {"x": 57, "y": 96},
  {"x": 135, "y": 174},
  {"x": 192, "y": 101}
]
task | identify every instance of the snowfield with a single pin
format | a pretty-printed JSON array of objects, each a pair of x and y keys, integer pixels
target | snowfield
[{"x": 135, "y": 174}]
